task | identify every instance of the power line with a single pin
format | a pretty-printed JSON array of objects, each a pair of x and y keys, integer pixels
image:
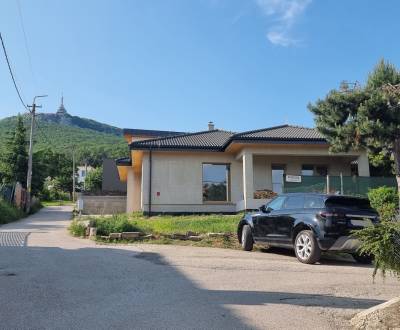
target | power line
[
  {"x": 26, "y": 41},
  {"x": 11, "y": 73}
]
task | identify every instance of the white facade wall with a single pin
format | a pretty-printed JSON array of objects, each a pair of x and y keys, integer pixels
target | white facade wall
[
  {"x": 177, "y": 176},
  {"x": 177, "y": 182}
]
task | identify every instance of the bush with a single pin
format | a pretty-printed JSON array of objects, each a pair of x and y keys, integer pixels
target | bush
[
  {"x": 385, "y": 200},
  {"x": 77, "y": 228},
  {"x": 115, "y": 224},
  {"x": 383, "y": 243},
  {"x": 9, "y": 213},
  {"x": 94, "y": 179}
]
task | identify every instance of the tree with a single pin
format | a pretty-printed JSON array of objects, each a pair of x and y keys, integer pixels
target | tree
[
  {"x": 364, "y": 116},
  {"x": 94, "y": 179},
  {"x": 14, "y": 158}
]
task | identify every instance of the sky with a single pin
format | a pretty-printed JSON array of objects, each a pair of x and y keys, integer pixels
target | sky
[{"x": 178, "y": 64}]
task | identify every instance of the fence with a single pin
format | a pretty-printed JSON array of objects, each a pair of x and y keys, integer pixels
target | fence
[
  {"x": 14, "y": 194},
  {"x": 346, "y": 185},
  {"x": 7, "y": 193}
]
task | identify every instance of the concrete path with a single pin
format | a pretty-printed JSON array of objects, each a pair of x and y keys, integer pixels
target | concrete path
[{"x": 49, "y": 280}]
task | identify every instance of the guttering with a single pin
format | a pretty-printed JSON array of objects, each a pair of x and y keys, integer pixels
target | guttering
[{"x": 150, "y": 178}]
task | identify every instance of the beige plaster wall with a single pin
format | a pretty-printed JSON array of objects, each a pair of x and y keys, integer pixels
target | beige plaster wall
[{"x": 177, "y": 177}]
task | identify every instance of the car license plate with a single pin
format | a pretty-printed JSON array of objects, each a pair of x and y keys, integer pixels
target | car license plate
[{"x": 361, "y": 223}]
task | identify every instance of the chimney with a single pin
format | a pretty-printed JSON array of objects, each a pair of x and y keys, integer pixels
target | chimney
[{"x": 211, "y": 126}]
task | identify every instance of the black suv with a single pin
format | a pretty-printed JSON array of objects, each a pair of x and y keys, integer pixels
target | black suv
[{"x": 308, "y": 223}]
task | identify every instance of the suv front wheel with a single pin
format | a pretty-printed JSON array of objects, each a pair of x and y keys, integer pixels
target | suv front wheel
[
  {"x": 306, "y": 247},
  {"x": 247, "y": 238}
]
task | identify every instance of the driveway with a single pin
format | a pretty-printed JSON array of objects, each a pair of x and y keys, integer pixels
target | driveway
[{"x": 49, "y": 280}]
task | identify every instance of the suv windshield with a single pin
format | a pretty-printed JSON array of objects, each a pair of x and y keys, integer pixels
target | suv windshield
[{"x": 348, "y": 202}]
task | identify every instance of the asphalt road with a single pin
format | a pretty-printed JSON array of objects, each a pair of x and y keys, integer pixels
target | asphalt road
[{"x": 49, "y": 280}]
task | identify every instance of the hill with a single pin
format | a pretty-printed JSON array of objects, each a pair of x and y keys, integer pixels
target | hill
[{"x": 62, "y": 132}]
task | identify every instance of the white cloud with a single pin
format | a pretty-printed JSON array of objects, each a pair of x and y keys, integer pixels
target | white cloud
[{"x": 283, "y": 14}]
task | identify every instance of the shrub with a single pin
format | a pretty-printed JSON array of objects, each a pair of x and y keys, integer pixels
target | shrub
[
  {"x": 385, "y": 200},
  {"x": 383, "y": 243},
  {"x": 77, "y": 228},
  {"x": 9, "y": 213},
  {"x": 94, "y": 179},
  {"x": 115, "y": 224}
]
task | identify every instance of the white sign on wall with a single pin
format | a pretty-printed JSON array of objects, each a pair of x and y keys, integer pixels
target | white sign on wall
[{"x": 293, "y": 178}]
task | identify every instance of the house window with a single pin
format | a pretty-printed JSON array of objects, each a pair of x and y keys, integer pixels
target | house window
[
  {"x": 311, "y": 170},
  {"x": 216, "y": 182},
  {"x": 307, "y": 170}
]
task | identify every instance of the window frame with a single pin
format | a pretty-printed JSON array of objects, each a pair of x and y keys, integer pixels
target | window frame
[
  {"x": 228, "y": 184},
  {"x": 314, "y": 169}
]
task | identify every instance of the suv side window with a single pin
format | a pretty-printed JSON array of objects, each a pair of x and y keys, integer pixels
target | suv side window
[
  {"x": 276, "y": 204},
  {"x": 294, "y": 202},
  {"x": 313, "y": 202}
]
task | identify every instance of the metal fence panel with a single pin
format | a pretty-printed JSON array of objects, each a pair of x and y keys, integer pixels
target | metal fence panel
[{"x": 350, "y": 185}]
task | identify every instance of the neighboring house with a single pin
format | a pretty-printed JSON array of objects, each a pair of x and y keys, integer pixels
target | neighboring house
[
  {"x": 111, "y": 184},
  {"x": 219, "y": 171},
  {"x": 82, "y": 173}
]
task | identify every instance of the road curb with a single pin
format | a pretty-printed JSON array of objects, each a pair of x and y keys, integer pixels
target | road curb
[{"x": 382, "y": 316}]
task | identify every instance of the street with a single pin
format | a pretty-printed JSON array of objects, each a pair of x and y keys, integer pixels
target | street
[{"x": 50, "y": 280}]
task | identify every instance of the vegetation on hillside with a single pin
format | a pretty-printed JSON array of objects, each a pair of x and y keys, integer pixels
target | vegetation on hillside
[{"x": 91, "y": 141}]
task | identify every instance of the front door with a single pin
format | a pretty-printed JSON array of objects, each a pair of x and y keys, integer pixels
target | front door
[
  {"x": 291, "y": 209},
  {"x": 278, "y": 172},
  {"x": 265, "y": 222}
]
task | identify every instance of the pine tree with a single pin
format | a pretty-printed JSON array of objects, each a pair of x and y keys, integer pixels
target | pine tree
[
  {"x": 14, "y": 158},
  {"x": 364, "y": 117}
]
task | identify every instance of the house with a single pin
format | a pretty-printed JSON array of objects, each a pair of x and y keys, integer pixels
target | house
[
  {"x": 220, "y": 171},
  {"x": 82, "y": 173}
]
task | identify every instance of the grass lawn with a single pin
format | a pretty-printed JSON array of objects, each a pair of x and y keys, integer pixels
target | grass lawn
[
  {"x": 166, "y": 225},
  {"x": 56, "y": 203},
  {"x": 201, "y": 224}
]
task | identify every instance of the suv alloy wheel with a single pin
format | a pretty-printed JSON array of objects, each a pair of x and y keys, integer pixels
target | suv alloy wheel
[{"x": 306, "y": 247}]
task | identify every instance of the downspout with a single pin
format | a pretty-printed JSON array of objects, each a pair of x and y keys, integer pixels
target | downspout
[{"x": 150, "y": 174}]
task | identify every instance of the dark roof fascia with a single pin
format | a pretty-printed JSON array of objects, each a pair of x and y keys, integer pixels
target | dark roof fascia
[
  {"x": 123, "y": 162},
  {"x": 273, "y": 141},
  {"x": 180, "y": 148}
]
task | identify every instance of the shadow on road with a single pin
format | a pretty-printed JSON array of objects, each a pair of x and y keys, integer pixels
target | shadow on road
[
  {"x": 327, "y": 259},
  {"x": 102, "y": 288}
]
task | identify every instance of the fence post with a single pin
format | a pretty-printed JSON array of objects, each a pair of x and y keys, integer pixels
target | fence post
[
  {"x": 327, "y": 183},
  {"x": 341, "y": 183}
]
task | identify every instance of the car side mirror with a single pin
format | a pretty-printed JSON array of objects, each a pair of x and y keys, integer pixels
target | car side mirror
[{"x": 265, "y": 209}]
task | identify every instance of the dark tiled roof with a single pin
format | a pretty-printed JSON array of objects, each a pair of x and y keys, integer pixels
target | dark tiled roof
[
  {"x": 208, "y": 140},
  {"x": 218, "y": 140},
  {"x": 124, "y": 162},
  {"x": 150, "y": 133},
  {"x": 282, "y": 133}
]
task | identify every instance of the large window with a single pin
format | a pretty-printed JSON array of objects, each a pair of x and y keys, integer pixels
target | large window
[
  {"x": 311, "y": 170},
  {"x": 216, "y": 182}
]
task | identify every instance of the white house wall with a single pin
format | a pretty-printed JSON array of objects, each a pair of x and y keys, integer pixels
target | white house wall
[{"x": 177, "y": 182}]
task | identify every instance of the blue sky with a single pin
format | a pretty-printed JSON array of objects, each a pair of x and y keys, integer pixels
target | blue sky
[{"x": 177, "y": 64}]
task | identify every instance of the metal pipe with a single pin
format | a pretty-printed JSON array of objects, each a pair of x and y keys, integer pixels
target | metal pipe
[{"x": 150, "y": 178}]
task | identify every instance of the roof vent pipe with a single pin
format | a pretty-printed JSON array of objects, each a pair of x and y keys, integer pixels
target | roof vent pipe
[{"x": 211, "y": 126}]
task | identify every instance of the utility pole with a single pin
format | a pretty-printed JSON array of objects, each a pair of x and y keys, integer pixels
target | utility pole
[
  {"x": 29, "y": 175},
  {"x": 73, "y": 174}
]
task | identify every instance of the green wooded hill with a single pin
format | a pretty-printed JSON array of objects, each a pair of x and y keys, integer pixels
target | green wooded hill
[{"x": 93, "y": 141}]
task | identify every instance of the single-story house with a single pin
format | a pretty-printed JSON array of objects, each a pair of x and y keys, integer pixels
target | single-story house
[{"x": 220, "y": 171}]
